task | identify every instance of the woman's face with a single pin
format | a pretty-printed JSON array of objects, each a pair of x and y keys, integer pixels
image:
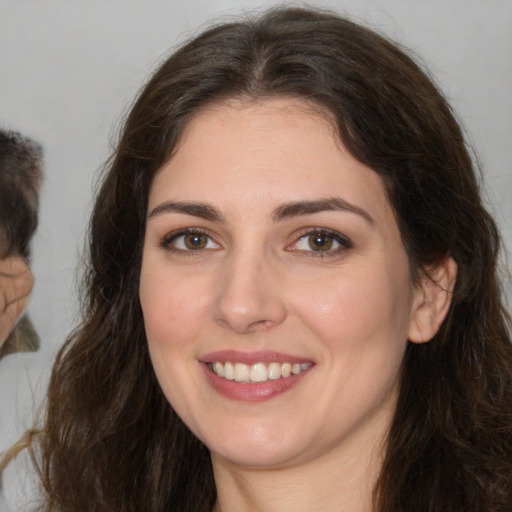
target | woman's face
[{"x": 275, "y": 287}]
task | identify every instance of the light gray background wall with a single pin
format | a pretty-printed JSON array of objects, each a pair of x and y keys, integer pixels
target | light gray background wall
[{"x": 69, "y": 68}]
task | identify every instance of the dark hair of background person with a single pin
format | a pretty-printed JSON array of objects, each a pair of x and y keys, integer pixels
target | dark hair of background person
[
  {"x": 21, "y": 175},
  {"x": 112, "y": 441}
]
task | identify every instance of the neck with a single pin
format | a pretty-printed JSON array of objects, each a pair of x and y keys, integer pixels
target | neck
[{"x": 341, "y": 482}]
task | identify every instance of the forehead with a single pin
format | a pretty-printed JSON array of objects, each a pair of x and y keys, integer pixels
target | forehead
[
  {"x": 248, "y": 152},
  {"x": 258, "y": 114}
]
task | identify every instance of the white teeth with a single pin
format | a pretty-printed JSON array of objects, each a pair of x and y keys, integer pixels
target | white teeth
[
  {"x": 296, "y": 369},
  {"x": 259, "y": 372},
  {"x": 286, "y": 369},
  {"x": 229, "y": 371},
  {"x": 241, "y": 372},
  {"x": 218, "y": 369},
  {"x": 274, "y": 371}
]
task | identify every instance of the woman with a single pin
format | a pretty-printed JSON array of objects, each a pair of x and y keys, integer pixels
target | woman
[{"x": 292, "y": 300}]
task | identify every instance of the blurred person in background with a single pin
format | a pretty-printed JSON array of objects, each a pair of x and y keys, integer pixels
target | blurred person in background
[{"x": 21, "y": 172}]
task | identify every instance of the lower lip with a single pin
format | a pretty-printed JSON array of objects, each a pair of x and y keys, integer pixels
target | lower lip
[{"x": 252, "y": 392}]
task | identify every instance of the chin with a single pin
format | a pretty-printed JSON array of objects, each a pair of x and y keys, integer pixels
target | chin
[
  {"x": 252, "y": 457},
  {"x": 258, "y": 448}
]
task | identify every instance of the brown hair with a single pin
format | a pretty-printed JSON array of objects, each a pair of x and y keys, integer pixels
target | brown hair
[
  {"x": 111, "y": 440},
  {"x": 21, "y": 174}
]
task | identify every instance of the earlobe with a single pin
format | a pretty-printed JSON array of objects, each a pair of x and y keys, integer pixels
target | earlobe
[{"x": 432, "y": 302}]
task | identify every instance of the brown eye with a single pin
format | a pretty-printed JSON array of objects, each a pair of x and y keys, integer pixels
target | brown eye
[
  {"x": 194, "y": 241},
  {"x": 319, "y": 241},
  {"x": 190, "y": 240}
]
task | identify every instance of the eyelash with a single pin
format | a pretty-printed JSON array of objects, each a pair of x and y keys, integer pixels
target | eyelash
[
  {"x": 334, "y": 236},
  {"x": 169, "y": 242}
]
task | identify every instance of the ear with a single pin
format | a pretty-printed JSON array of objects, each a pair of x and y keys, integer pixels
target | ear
[{"x": 433, "y": 297}]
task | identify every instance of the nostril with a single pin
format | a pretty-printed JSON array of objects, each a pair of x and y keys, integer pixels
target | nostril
[
  {"x": 247, "y": 320},
  {"x": 260, "y": 325},
  {"x": 246, "y": 301}
]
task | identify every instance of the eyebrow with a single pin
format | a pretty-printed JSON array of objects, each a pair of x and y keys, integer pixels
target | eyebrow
[
  {"x": 201, "y": 210},
  {"x": 285, "y": 211},
  {"x": 297, "y": 208}
]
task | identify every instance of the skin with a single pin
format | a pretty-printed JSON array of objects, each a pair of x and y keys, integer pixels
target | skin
[
  {"x": 16, "y": 283},
  {"x": 257, "y": 285}
]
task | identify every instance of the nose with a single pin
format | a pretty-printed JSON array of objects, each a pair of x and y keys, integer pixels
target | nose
[{"x": 249, "y": 298}]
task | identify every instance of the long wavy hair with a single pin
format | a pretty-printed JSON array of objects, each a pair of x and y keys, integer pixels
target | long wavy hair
[{"x": 112, "y": 442}]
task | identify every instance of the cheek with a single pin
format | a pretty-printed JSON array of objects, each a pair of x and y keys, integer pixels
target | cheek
[
  {"x": 361, "y": 320},
  {"x": 357, "y": 307},
  {"x": 172, "y": 308}
]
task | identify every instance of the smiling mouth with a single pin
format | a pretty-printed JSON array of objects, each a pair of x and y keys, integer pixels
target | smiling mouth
[{"x": 258, "y": 372}]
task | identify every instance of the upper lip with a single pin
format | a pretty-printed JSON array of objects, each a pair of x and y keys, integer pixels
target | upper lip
[{"x": 260, "y": 356}]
